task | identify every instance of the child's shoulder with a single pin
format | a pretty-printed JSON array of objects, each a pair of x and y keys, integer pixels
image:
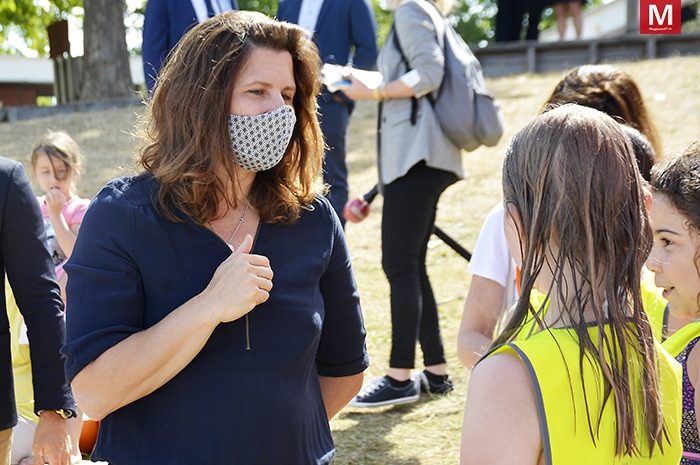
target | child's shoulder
[{"x": 75, "y": 209}]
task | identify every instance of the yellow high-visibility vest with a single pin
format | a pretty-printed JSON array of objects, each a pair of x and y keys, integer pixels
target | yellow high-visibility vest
[
  {"x": 552, "y": 360},
  {"x": 681, "y": 338},
  {"x": 655, "y": 306}
]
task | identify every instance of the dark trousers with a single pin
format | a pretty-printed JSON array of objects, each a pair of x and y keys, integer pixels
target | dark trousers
[
  {"x": 335, "y": 117},
  {"x": 509, "y": 20},
  {"x": 408, "y": 215}
]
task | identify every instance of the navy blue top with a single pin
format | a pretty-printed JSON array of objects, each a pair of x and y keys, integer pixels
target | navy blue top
[{"x": 131, "y": 267}]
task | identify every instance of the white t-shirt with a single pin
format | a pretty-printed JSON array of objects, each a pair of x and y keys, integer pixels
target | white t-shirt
[{"x": 491, "y": 258}]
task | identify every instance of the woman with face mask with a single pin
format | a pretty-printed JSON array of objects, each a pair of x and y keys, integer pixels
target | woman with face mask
[{"x": 211, "y": 295}]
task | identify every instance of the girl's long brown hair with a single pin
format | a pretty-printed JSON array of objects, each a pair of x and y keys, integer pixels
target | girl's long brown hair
[
  {"x": 610, "y": 90},
  {"x": 571, "y": 174},
  {"x": 186, "y": 139}
]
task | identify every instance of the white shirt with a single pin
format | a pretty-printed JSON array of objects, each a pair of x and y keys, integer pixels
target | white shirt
[
  {"x": 308, "y": 15},
  {"x": 219, "y": 6},
  {"x": 491, "y": 258}
]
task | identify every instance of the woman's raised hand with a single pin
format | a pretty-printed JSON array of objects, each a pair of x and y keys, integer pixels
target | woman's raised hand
[{"x": 241, "y": 282}]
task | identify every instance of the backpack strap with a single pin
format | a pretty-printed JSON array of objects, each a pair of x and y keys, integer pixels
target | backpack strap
[{"x": 404, "y": 60}]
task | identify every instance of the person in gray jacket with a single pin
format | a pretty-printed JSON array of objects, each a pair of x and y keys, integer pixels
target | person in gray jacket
[{"x": 417, "y": 162}]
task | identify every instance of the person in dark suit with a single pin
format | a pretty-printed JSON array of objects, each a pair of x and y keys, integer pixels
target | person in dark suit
[
  {"x": 25, "y": 258},
  {"x": 165, "y": 21},
  {"x": 339, "y": 26}
]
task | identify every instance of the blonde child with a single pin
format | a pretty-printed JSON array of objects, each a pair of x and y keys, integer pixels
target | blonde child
[
  {"x": 593, "y": 385},
  {"x": 675, "y": 260},
  {"x": 56, "y": 167}
]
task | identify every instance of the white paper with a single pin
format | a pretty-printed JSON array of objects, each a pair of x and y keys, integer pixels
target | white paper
[{"x": 335, "y": 77}]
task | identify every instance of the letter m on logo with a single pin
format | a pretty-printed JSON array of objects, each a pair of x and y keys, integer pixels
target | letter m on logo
[{"x": 660, "y": 16}]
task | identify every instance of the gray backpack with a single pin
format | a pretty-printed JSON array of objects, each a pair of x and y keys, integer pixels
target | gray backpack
[{"x": 466, "y": 111}]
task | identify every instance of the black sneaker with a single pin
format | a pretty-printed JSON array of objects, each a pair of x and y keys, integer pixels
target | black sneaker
[
  {"x": 379, "y": 393},
  {"x": 435, "y": 388}
]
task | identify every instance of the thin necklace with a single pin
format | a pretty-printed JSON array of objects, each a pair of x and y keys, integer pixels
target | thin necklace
[{"x": 240, "y": 222}]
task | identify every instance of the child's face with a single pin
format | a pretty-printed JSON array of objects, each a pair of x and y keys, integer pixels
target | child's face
[
  {"x": 62, "y": 179},
  {"x": 672, "y": 258}
]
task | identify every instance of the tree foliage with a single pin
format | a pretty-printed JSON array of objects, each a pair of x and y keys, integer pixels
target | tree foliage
[
  {"x": 269, "y": 7},
  {"x": 28, "y": 20}
]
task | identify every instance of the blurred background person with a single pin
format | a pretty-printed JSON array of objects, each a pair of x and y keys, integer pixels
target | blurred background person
[
  {"x": 345, "y": 33},
  {"x": 165, "y": 22},
  {"x": 416, "y": 162}
]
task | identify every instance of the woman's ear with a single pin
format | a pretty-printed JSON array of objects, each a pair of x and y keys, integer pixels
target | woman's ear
[{"x": 515, "y": 233}]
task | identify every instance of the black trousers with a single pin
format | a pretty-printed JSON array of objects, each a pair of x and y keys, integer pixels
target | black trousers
[{"x": 408, "y": 215}]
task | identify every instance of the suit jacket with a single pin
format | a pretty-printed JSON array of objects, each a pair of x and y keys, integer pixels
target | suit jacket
[
  {"x": 341, "y": 25},
  {"x": 403, "y": 144},
  {"x": 165, "y": 22},
  {"x": 25, "y": 257}
]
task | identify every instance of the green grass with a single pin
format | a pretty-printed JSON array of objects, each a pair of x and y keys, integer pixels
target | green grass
[{"x": 426, "y": 432}]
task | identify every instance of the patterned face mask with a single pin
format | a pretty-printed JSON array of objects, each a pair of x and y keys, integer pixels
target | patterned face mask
[{"x": 259, "y": 141}]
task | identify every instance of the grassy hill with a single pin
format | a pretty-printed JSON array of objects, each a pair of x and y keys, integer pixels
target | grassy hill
[{"x": 427, "y": 432}]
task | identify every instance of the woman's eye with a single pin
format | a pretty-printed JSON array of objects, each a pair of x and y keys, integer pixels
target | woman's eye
[
  {"x": 288, "y": 98},
  {"x": 256, "y": 91},
  {"x": 666, "y": 242}
]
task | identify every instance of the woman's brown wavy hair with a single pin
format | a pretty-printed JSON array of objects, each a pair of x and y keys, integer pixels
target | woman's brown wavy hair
[
  {"x": 610, "y": 90},
  {"x": 185, "y": 135},
  {"x": 572, "y": 176}
]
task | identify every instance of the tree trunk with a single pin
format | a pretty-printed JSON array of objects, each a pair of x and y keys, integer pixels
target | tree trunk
[{"x": 106, "y": 74}]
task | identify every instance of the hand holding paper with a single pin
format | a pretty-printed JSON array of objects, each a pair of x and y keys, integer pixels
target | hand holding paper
[{"x": 336, "y": 77}]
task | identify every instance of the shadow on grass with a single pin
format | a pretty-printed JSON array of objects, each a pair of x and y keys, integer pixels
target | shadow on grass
[{"x": 367, "y": 440}]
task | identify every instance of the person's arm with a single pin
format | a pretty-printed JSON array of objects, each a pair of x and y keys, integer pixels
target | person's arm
[
  {"x": 52, "y": 443},
  {"x": 364, "y": 34},
  {"x": 490, "y": 268},
  {"x": 65, "y": 233},
  {"x": 482, "y": 309},
  {"x": 422, "y": 50},
  {"x": 693, "y": 367},
  {"x": 155, "y": 40},
  {"x": 341, "y": 357},
  {"x": 106, "y": 329},
  {"x": 500, "y": 417},
  {"x": 338, "y": 391},
  {"x": 240, "y": 283},
  {"x": 30, "y": 273}
]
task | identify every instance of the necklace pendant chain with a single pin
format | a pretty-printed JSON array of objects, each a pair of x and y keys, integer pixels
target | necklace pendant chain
[{"x": 238, "y": 226}]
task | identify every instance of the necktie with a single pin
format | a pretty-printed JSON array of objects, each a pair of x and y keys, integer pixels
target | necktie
[{"x": 210, "y": 9}]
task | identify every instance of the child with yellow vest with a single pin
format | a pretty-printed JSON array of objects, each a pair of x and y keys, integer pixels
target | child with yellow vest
[
  {"x": 675, "y": 259},
  {"x": 592, "y": 386}
]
